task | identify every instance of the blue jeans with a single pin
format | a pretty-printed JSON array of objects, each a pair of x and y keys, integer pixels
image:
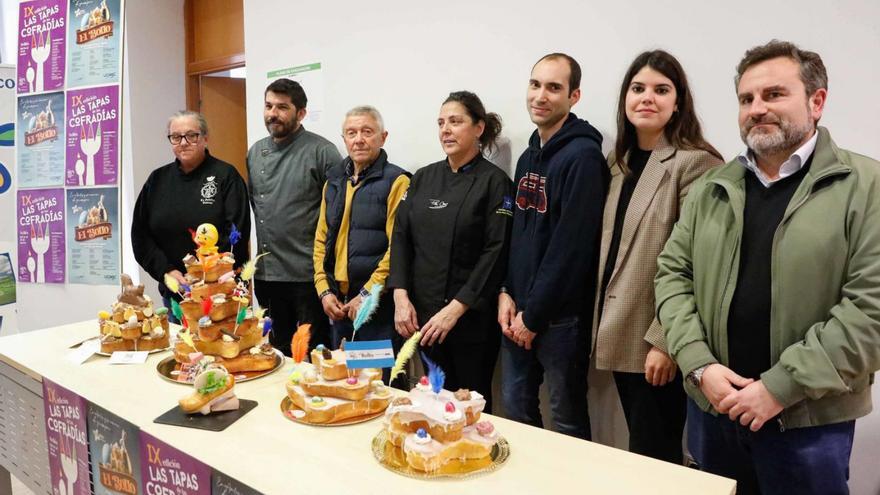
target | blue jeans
[
  {"x": 166, "y": 301},
  {"x": 812, "y": 460},
  {"x": 559, "y": 354}
]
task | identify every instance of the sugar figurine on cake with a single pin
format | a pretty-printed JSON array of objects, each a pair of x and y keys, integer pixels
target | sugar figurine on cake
[
  {"x": 216, "y": 310},
  {"x": 132, "y": 324},
  {"x": 326, "y": 391},
  {"x": 213, "y": 392},
  {"x": 436, "y": 428}
]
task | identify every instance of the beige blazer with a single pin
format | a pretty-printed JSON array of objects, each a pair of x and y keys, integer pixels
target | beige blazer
[{"x": 628, "y": 327}]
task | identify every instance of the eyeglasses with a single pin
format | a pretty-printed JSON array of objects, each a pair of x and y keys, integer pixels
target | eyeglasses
[{"x": 190, "y": 137}]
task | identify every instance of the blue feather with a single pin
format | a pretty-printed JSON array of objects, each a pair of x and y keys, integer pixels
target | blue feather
[
  {"x": 368, "y": 308},
  {"x": 234, "y": 236},
  {"x": 436, "y": 376},
  {"x": 267, "y": 325}
]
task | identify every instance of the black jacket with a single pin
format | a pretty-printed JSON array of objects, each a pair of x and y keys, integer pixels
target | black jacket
[
  {"x": 172, "y": 202},
  {"x": 557, "y": 222},
  {"x": 450, "y": 236}
]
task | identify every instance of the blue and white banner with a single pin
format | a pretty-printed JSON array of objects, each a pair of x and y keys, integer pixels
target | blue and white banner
[{"x": 369, "y": 354}]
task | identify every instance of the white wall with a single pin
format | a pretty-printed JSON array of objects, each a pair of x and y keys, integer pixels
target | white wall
[
  {"x": 153, "y": 89},
  {"x": 404, "y": 57}
]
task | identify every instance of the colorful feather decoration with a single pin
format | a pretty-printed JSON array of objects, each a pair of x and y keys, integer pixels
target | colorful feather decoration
[
  {"x": 187, "y": 338},
  {"x": 171, "y": 283},
  {"x": 241, "y": 314},
  {"x": 192, "y": 234},
  {"x": 403, "y": 356},
  {"x": 247, "y": 272},
  {"x": 259, "y": 313},
  {"x": 299, "y": 344},
  {"x": 436, "y": 376},
  {"x": 368, "y": 308},
  {"x": 176, "y": 310},
  {"x": 207, "y": 304},
  {"x": 234, "y": 236},
  {"x": 267, "y": 326}
]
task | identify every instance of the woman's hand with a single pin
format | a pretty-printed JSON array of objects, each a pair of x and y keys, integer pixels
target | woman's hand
[
  {"x": 660, "y": 369},
  {"x": 441, "y": 323},
  {"x": 405, "y": 319}
]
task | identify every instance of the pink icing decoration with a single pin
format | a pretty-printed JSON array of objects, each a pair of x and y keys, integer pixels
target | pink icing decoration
[
  {"x": 351, "y": 380},
  {"x": 450, "y": 407},
  {"x": 484, "y": 428}
]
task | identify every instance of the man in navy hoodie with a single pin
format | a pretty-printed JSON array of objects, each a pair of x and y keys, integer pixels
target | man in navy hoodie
[{"x": 561, "y": 182}]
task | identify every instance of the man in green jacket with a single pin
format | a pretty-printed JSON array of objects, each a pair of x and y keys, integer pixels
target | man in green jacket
[{"x": 769, "y": 288}]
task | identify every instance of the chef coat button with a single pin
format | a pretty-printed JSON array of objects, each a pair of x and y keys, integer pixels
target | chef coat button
[
  {"x": 261, "y": 221},
  {"x": 265, "y": 246},
  {"x": 262, "y": 171},
  {"x": 446, "y": 301},
  {"x": 261, "y": 195}
]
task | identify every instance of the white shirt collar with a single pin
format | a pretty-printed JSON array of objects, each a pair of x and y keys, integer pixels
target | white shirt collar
[{"x": 794, "y": 163}]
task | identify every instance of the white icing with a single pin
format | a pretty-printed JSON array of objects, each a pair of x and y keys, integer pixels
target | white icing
[
  {"x": 253, "y": 351},
  {"x": 422, "y": 440},
  {"x": 453, "y": 416},
  {"x": 228, "y": 338}
]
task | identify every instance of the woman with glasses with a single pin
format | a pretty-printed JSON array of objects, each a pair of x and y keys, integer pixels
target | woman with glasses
[{"x": 195, "y": 188}]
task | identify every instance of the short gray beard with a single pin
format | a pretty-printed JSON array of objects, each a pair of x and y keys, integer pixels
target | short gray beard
[{"x": 786, "y": 137}]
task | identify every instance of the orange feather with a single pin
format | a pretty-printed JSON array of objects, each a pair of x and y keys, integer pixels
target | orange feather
[{"x": 299, "y": 344}]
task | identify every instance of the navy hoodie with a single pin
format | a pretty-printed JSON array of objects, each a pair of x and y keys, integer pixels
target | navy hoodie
[{"x": 560, "y": 193}]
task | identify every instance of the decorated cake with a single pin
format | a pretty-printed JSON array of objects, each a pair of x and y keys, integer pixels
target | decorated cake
[
  {"x": 215, "y": 311},
  {"x": 434, "y": 429},
  {"x": 132, "y": 324},
  {"x": 325, "y": 391},
  {"x": 213, "y": 392}
]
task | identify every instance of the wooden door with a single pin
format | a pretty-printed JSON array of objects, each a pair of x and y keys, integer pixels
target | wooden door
[{"x": 223, "y": 105}]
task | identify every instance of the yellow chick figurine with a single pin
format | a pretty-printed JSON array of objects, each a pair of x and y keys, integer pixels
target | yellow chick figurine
[{"x": 206, "y": 239}]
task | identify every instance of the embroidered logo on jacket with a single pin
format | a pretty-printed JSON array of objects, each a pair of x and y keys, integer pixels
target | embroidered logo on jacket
[
  {"x": 209, "y": 190},
  {"x": 506, "y": 207},
  {"x": 530, "y": 193},
  {"x": 436, "y": 204}
]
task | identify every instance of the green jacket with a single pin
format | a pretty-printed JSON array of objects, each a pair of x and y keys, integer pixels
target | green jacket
[{"x": 825, "y": 266}]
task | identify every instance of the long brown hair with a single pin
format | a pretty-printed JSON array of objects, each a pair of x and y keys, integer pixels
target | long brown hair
[{"x": 683, "y": 129}]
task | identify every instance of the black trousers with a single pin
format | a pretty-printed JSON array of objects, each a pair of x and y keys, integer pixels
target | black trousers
[
  {"x": 469, "y": 363},
  {"x": 291, "y": 304},
  {"x": 655, "y": 415}
]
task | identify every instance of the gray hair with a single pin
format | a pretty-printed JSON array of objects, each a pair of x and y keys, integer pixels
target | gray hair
[
  {"x": 203, "y": 124},
  {"x": 367, "y": 110},
  {"x": 812, "y": 69}
]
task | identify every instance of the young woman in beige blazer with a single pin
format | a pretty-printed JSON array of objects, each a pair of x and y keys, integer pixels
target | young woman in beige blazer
[{"x": 658, "y": 154}]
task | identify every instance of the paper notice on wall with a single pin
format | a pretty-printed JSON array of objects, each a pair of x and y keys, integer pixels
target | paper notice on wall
[
  {"x": 94, "y": 42},
  {"x": 311, "y": 78},
  {"x": 92, "y": 139},
  {"x": 40, "y": 138},
  {"x": 41, "y": 45},
  {"x": 40, "y": 215},
  {"x": 93, "y": 236}
]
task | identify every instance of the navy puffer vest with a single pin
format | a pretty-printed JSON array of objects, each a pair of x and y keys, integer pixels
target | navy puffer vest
[{"x": 367, "y": 239}]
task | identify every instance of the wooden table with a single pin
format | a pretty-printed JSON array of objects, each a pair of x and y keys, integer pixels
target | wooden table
[{"x": 275, "y": 455}]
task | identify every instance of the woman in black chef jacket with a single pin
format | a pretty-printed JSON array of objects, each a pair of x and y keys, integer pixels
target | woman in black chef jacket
[{"x": 449, "y": 248}]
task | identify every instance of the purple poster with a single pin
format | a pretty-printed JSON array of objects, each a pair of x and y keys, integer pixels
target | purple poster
[
  {"x": 42, "y": 36},
  {"x": 41, "y": 256},
  {"x": 92, "y": 136},
  {"x": 67, "y": 439},
  {"x": 167, "y": 470}
]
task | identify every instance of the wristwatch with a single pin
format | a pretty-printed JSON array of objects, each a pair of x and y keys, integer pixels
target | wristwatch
[{"x": 695, "y": 377}]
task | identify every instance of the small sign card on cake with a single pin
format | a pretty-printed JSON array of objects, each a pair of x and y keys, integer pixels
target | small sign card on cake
[
  {"x": 86, "y": 350},
  {"x": 67, "y": 440},
  {"x": 168, "y": 470},
  {"x": 369, "y": 354}
]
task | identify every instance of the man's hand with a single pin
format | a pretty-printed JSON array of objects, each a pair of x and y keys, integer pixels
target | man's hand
[
  {"x": 441, "y": 323},
  {"x": 660, "y": 369},
  {"x": 718, "y": 381},
  {"x": 332, "y": 307},
  {"x": 506, "y": 313},
  {"x": 752, "y": 406},
  {"x": 521, "y": 334},
  {"x": 406, "y": 321},
  {"x": 178, "y": 276},
  {"x": 351, "y": 308}
]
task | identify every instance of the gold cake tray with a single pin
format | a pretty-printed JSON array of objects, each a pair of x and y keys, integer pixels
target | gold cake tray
[{"x": 394, "y": 459}]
